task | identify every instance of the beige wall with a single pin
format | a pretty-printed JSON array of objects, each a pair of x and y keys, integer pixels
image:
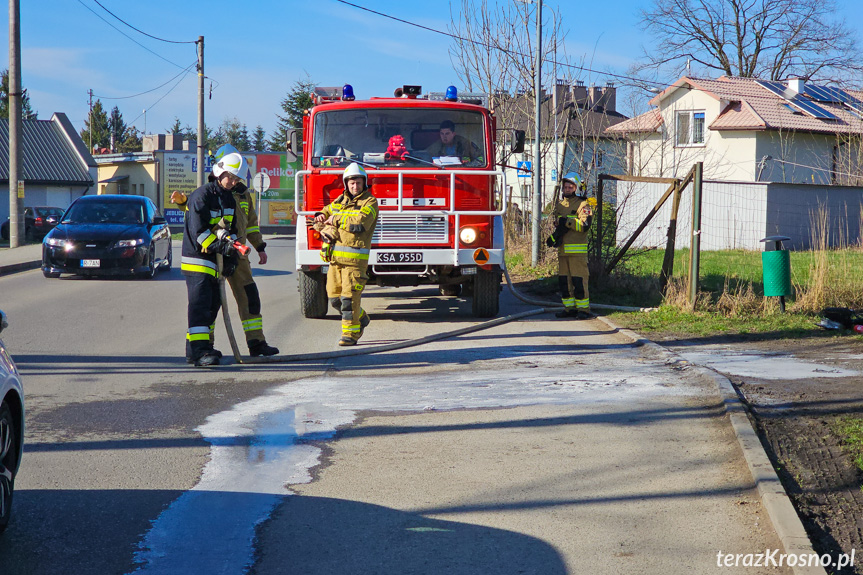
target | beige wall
[
  {"x": 141, "y": 181},
  {"x": 796, "y": 148}
]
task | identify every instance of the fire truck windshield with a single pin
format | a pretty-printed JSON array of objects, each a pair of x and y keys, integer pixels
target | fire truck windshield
[{"x": 393, "y": 137}]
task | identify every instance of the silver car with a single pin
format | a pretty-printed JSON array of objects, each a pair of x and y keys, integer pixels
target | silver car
[{"x": 11, "y": 428}]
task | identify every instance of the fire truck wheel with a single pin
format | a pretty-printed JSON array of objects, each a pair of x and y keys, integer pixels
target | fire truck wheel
[
  {"x": 486, "y": 293},
  {"x": 313, "y": 294},
  {"x": 451, "y": 290}
]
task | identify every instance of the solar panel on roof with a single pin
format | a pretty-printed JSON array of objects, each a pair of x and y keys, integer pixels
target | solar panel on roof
[
  {"x": 827, "y": 94},
  {"x": 798, "y": 102}
]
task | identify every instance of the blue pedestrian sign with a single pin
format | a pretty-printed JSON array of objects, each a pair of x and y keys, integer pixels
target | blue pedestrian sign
[
  {"x": 554, "y": 175},
  {"x": 523, "y": 169}
]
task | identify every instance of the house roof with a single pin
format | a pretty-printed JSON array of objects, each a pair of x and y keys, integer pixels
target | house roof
[
  {"x": 747, "y": 105},
  {"x": 51, "y": 153},
  {"x": 649, "y": 121}
]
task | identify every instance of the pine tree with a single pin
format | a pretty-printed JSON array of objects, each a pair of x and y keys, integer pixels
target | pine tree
[
  {"x": 96, "y": 125},
  {"x": 132, "y": 142},
  {"x": 26, "y": 111},
  {"x": 175, "y": 127},
  {"x": 259, "y": 139},
  {"x": 117, "y": 129},
  {"x": 297, "y": 101}
]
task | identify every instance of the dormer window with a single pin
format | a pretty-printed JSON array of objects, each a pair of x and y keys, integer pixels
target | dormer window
[{"x": 690, "y": 128}]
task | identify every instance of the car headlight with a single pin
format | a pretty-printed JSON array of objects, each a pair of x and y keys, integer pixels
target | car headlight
[
  {"x": 467, "y": 235},
  {"x": 129, "y": 243},
  {"x": 56, "y": 242}
]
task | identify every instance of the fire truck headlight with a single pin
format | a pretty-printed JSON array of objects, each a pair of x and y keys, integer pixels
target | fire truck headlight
[{"x": 467, "y": 235}]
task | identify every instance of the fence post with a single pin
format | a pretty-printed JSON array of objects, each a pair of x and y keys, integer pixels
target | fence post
[
  {"x": 695, "y": 245},
  {"x": 668, "y": 260}
]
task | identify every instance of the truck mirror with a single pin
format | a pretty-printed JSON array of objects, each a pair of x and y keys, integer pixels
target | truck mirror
[
  {"x": 517, "y": 142},
  {"x": 293, "y": 144}
]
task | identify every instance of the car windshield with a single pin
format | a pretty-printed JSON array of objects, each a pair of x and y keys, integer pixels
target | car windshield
[
  {"x": 105, "y": 212},
  {"x": 400, "y": 137},
  {"x": 48, "y": 212}
]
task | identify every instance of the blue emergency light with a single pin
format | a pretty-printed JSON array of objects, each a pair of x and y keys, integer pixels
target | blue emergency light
[
  {"x": 348, "y": 93},
  {"x": 451, "y": 94}
]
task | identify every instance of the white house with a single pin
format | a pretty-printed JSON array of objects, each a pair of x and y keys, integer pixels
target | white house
[{"x": 745, "y": 129}]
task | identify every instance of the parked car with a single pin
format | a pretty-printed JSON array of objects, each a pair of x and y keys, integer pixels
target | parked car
[
  {"x": 38, "y": 221},
  {"x": 108, "y": 235},
  {"x": 11, "y": 428}
]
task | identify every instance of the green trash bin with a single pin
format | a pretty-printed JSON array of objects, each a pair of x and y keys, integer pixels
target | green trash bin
[{"x": 777, "y": 270}]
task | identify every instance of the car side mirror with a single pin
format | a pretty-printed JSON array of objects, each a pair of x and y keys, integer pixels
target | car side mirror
[
  {"x": 517, "y": 146},
  {"x": 3, "y": 322},
  {"x": 159, "y": 220}
]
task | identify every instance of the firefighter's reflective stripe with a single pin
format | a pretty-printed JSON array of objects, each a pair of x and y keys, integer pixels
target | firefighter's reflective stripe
[
  {"x": 351, "y": 329},
  {"x": 245, "y": 206},
  {"x": 579, "y": 227},
  {"x": 198, "y": 333},
  {"x": 568, "y": 301},
  {"x": 582, "y": 303},
  {"x": 574, "y": 249},
  {"x": 253, "y": 324},
  {"x": 368, "y": 210},
  {"x": 351, "y": 253},
  {"x": 253, "y": 229},
  {"x": 206, "y": 239},
  {"x": 199, "y": 265}
]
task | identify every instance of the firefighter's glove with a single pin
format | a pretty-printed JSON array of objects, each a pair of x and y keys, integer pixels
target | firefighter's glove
[
  {"x": 226, "y": 248},
  {"x": 550, "y": 241},
  {"x": 229, "y": 265}
]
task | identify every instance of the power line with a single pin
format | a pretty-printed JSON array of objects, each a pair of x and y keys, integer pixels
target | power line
[
  {"x": 153, "y": 105},
  {"x": 129, "y": 37},
  {"x": 186, "y": 70},
  {"x": 141, "y": 31},
  {"x": 484, "y": 45}
]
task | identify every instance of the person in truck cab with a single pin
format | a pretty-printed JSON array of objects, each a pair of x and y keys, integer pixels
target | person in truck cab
[{"x": 453, "y": 145}]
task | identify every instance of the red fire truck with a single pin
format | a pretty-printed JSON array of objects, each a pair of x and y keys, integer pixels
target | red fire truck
[{"x": 440, "y": 204}]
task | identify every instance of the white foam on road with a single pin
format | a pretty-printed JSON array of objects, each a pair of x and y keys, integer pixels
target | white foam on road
[
  {"x": 257, "y": 445},
  {"x": 760, "y": 365}
]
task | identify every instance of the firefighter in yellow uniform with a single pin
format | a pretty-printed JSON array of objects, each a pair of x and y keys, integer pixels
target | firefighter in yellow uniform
[
  {"x": 354, "y": 215},
  {"x": 573, "y": 215},
  {"x": 242, "y": 284}
]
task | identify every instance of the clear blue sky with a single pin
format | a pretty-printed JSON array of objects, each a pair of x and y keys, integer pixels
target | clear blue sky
[{"x": 256, "y": 50}]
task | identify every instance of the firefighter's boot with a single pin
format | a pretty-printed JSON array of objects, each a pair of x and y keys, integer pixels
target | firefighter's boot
[
  {"x": 365, "y": 320},
  {"x": 567, "y": 312},
  {"x": 347, "y": 340},
  {"x": 260, "y": 347},
  {"x": 210, "y": 358}
]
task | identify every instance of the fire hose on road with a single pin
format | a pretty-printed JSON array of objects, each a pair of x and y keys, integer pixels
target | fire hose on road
[{"x": 548, "y": 308}]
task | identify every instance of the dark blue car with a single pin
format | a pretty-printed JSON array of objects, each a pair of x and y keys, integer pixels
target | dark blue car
[{"x": 108, "y": 235}]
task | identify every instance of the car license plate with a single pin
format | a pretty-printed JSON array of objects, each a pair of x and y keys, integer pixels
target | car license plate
[
  {"x": 400, "y": 257},
  {"x": 90, "y": 263}
]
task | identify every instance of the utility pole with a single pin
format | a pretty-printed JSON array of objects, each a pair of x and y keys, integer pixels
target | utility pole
[
  {"x": 16, "y": 184},
  {"x": 201, "y": 142},
  {"x": 536, "y": 204},
  {"x": 90, "y": 119}
]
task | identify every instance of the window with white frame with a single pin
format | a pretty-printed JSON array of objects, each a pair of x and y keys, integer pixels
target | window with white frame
[{"x": 690, "y": 128}]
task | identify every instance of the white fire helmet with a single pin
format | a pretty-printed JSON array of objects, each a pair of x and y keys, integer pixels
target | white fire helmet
[
  {"x": 353, "y": 171},
  {"x": 232, "y": 163}
]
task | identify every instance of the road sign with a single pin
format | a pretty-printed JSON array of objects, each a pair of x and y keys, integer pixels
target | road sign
[
  {"x": 554, "y": 175},
  {"x": 261, "y": 182},
  {"x": 523, "y": 169},
  {"x": 480, "y": 256}
]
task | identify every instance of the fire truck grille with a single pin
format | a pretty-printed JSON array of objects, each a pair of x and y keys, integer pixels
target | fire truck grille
[{"x": 410, "y": 228}]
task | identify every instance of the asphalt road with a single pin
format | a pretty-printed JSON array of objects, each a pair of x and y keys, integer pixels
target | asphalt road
[{"x": 548, "y": 445}]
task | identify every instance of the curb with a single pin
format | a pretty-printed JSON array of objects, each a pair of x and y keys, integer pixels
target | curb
[
  {"x": 20, "y": 267},
  {"x": 779, "y": 508}
]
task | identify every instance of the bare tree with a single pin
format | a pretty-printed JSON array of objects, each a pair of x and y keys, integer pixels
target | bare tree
[{"x": 769, "y": 39}]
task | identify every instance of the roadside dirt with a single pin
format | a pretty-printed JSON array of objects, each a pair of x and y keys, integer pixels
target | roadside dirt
[
  {"x": 796, "y": 389},
  {"x": 794, "y": 409}
]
